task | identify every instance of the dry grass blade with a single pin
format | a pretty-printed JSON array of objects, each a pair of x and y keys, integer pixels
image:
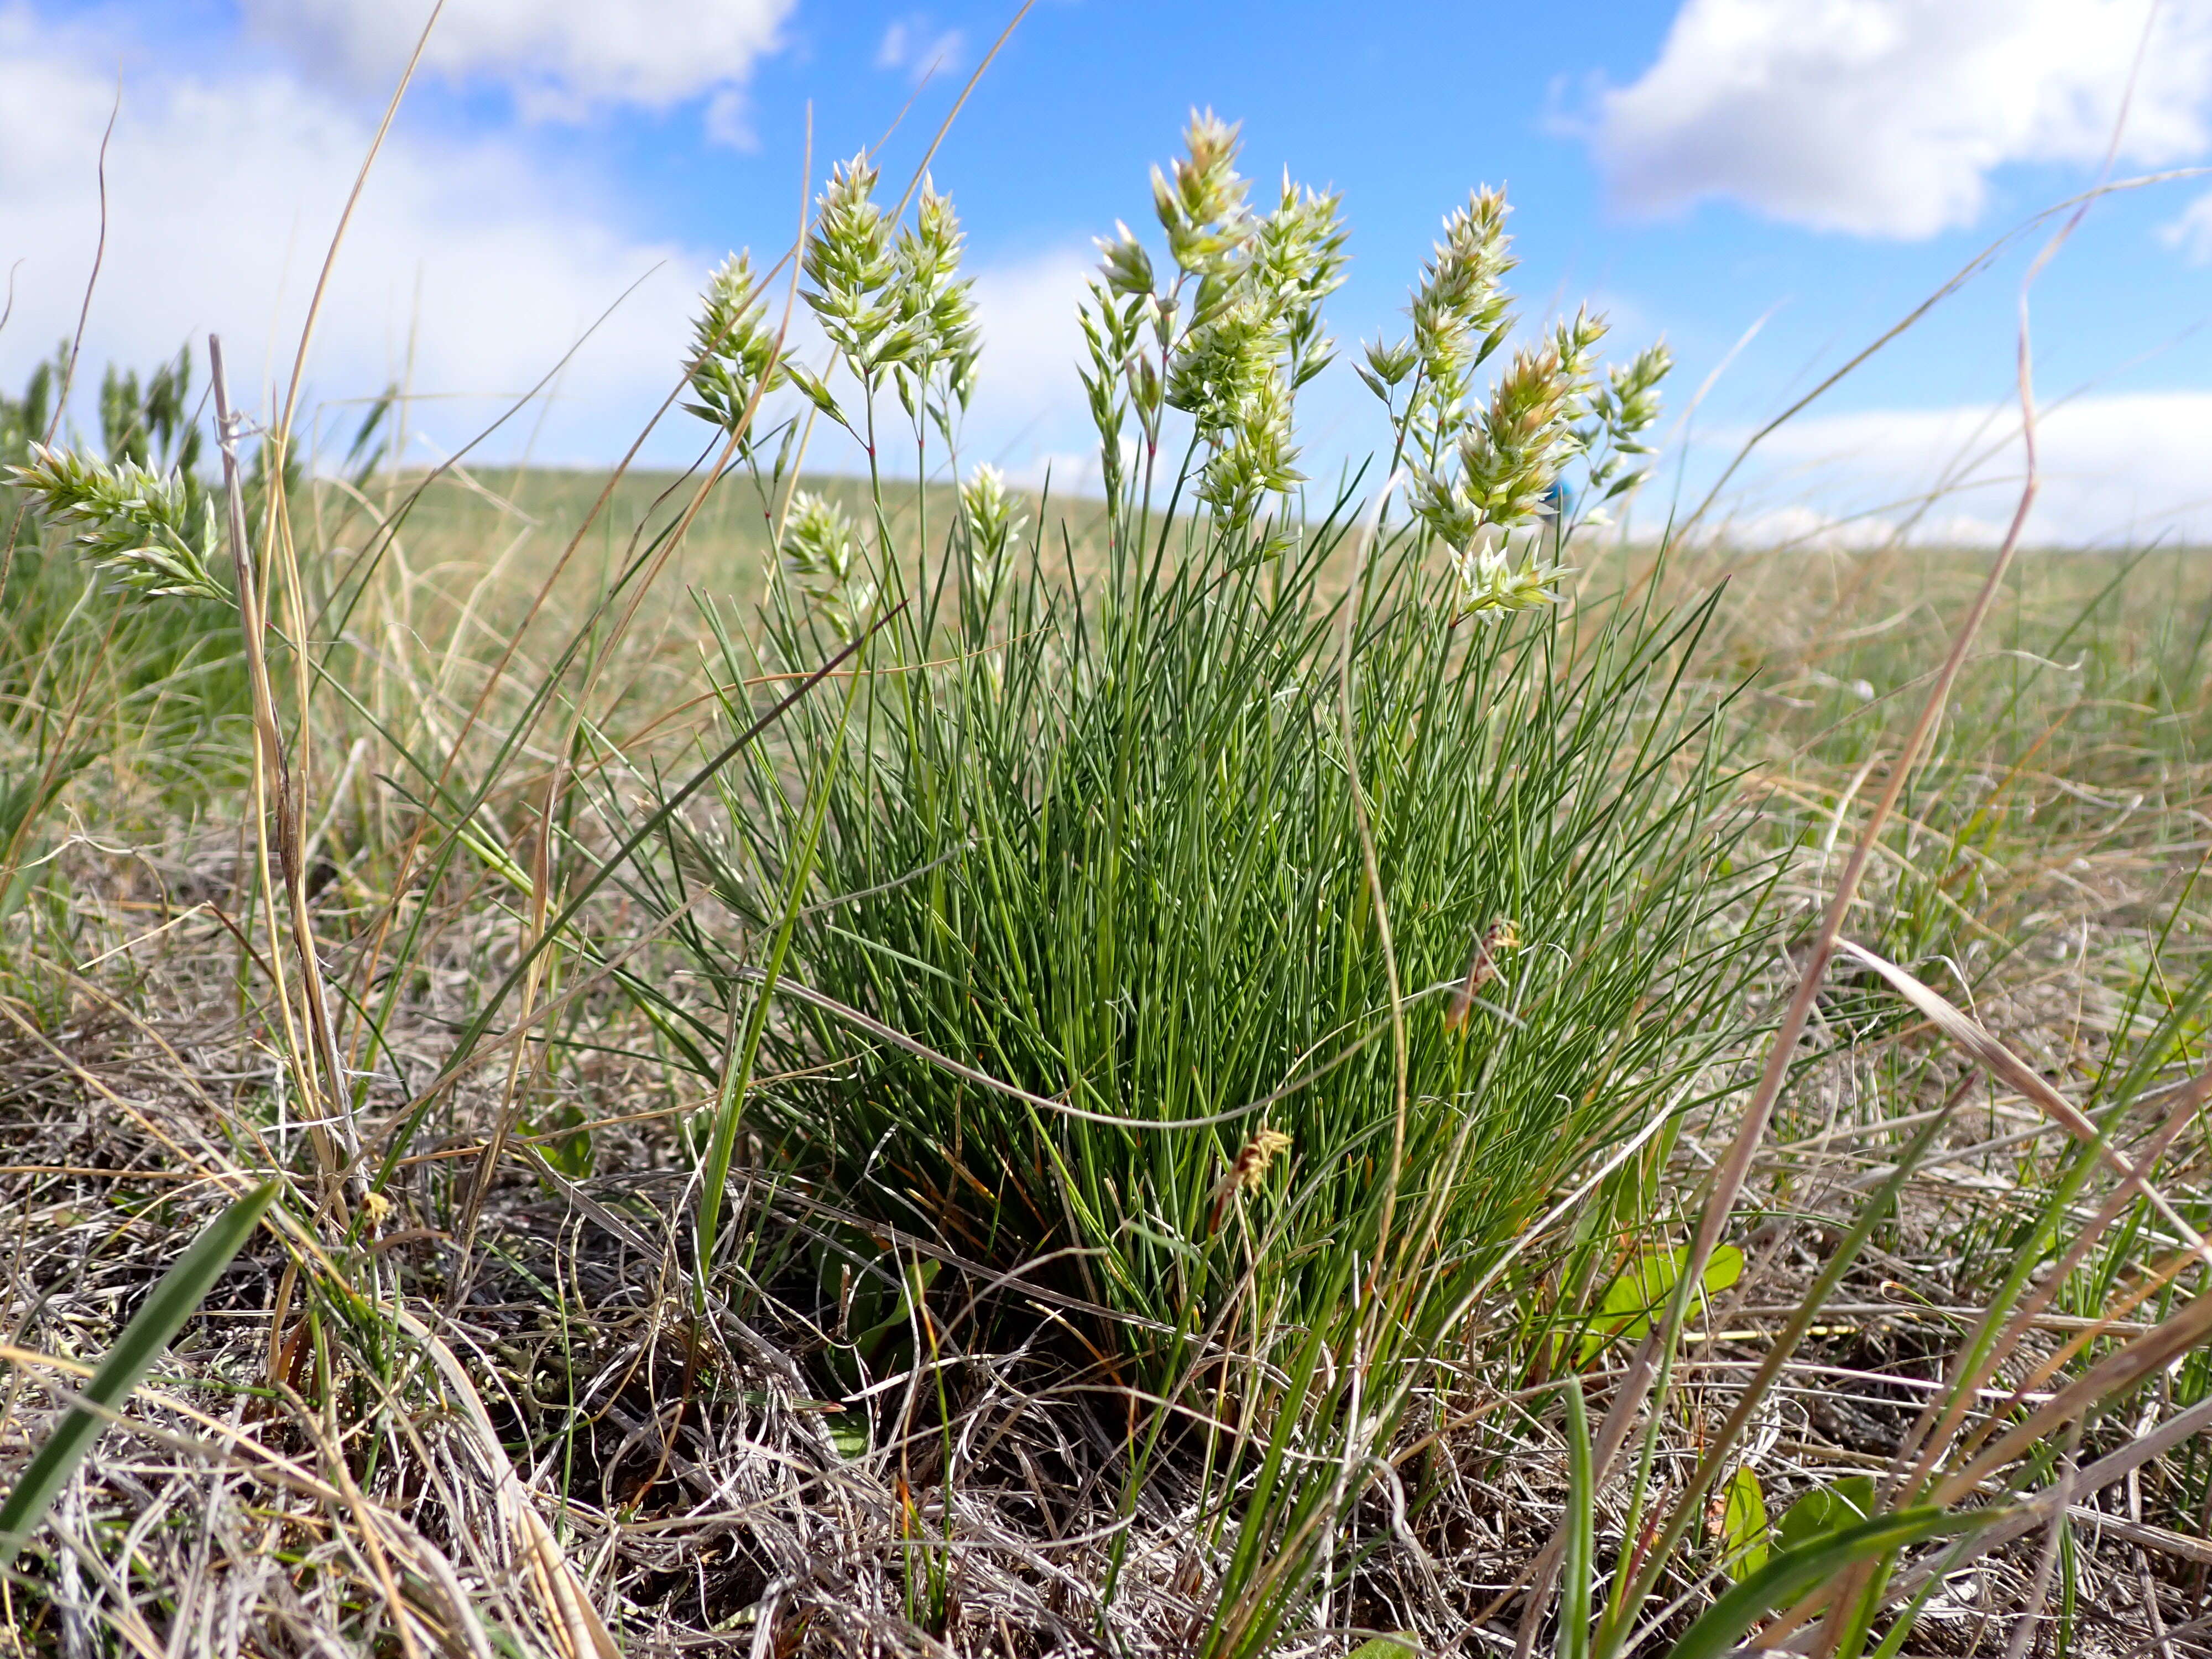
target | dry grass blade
[
  {"x": 2113, "y": 1377},
  {"x": 1975, "y": 1041},
  {"x": 277, "y": 796},
  {"x": 567, "y": 1606}
]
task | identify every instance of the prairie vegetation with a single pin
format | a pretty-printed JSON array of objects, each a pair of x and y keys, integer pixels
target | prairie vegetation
[{"x": 788, "y": 1064}]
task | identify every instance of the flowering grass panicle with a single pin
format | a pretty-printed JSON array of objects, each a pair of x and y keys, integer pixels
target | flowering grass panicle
[
  {"x": 822, "y": 549},
  {"x": 892, "y": 306},
  {"x": 152, "y": 533},
  {"x": 1202, "y": 207},
  {"x": 1118, "y": 373},
  {"x": 1490, "y": 584},
  {"x": 854, "y": 271},
  {"x": 1508, "y": 461},
  {"x": 936, "y": 311},
  {"x": 733, "y": 350},
  {"x": 1482, "y": 470},
  {"x": 994, "y": 517},
  {"x": 1123, "y": 262},
  {"x": 1250, "y": 286},
  {"x": 1461, "y": 313},
  {"x": 1623, "y": 410}
]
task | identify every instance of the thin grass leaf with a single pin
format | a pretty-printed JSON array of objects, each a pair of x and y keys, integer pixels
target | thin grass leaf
[
  {"x": 144, "y": 1341},
  {"x": 1581, "y": 1524},
  {"x": 1795, "y": 1573}
]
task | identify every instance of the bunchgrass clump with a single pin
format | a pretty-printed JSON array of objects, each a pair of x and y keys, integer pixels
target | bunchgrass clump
[
  {"x": 1092, "y": 853},
  {"x": 1170, "y": 1104},
  {"x": 1099, "y": 846}
]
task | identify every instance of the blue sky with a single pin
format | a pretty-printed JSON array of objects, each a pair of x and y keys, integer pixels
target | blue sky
[{"x": 1693, "y": 167}]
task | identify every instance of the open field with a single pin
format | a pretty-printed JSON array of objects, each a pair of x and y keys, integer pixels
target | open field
[{"x": 816, "y": 1066}]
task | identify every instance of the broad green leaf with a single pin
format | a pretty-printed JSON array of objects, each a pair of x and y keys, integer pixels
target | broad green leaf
[
  {"x": 1387, "y": 1647},
  {"x": 1798, "y": 1572},
  {"x": 848, "y": 1433},
  {"x": 1826, "y": 1510},
  {"x": 565, "y": 1140},
  {"x": 1743, "y": 1523},
  {"x": 1642, "y": 1291},
  {"x": 144, "y": 1341}
]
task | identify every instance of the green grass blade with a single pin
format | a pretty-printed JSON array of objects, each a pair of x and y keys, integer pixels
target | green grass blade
[
  {"x": 1794, "y": 1573},
  {"x": 664, "y": 810},
  {"x": 144, "y": 1341},
  {"x": 730, "y": 1097},
  {"x": 1575, "y": 1612}
]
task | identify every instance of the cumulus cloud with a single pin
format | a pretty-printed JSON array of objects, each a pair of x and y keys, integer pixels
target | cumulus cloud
[
  {"x": 560, "y": 58},
  {"x": 2116, "y": 469},
  {"x": 1800, "y": 526},
  {"x": 222, "y": 196},
  {"x": 1030, "y": 407},
  {"x": 223, "y": 192},
  {"x": 1886, "y": 118},
  {"x": 910, "y": 46},
  {"x": 2190, "y": 231}
]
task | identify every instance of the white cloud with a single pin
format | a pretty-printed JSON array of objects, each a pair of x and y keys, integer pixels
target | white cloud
[
  {"x": 223, "y": 192},
  {"x": 1029, "y": 402},
  {"x": 727, "y": 121},
  {"x": 909, "y": 45},
  {"x": 2190, "y": 231},
  {"x": 222, "y": 196},
  {"x": 2115, "y": 468},
  {"x": 1800, "y": 526},
  {"x": 1886, "y": 118},
  {"x": 560, "y": 58}
]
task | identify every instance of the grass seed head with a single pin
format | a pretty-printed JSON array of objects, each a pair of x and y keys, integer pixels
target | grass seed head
[
  {"x": 854, "y": 271},
  {"x": 1203, "y": 208},
  {"x": 993, "y": 518},
  {"x": 821, "y": 547},
  {"x": 152, "y": 533},
  {"x": 1460, "y": 310},
  {"x": 1122, "y": 259},
  {"x": 1492, "y": 585},
  {"x": 1623, "y": 410},
  {"x": 1255, "y": 1156},
  {"x": 733, "y": 350},
  {"x": 1387, "y": 365},
  {"x": 937, "y": 332}
]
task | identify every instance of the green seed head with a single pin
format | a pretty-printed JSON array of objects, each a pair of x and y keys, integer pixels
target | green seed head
[
  {"x": 821, "y": 549},
  {"x": 1124, "y": 262},
  {"x": 936, "y": 342},
  {"x": 1493, "y": 586},
  {"x": 154, "y": 533},
  {"x": 732, "y": 350},
  {"x": 1202, "y": 207},
  {"x": 993, "y": 518},
  {"x": 850, "y": 262}
]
